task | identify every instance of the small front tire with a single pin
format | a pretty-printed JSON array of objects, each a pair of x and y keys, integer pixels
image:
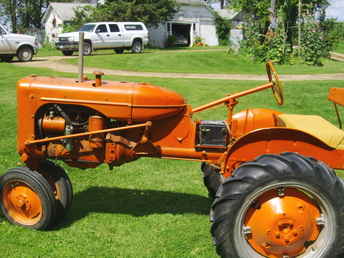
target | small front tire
[
  {"x": 212, "y": 178},
  {"x": 60, "y": 185},
  {"x": 27, "y": 199},
  {"x": 6, "y": 58},
  {"x": 25, "y": 54},
  {"x": 119, "y": 51},
  {"x": 87, "y": 48},
  {"x": 67, "y": 53},
  {"x": 137, "y": 47}
]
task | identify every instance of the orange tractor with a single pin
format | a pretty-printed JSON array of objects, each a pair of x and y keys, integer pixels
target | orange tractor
[{"x": 270, "y": 174}]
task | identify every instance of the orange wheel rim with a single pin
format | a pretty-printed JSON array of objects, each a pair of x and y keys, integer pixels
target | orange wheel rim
[
  {"x": 285, "y": 219},
  {"x": 281, "y": 222},
  {"x": 22, "y": 203}
]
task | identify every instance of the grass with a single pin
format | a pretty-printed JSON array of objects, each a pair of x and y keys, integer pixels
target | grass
[
  {"x": 50, "y": 50},
  {"x": 147, "y": 208},
  {"x": 340, "y": 48},
  {"x": 217, "y": 62}
]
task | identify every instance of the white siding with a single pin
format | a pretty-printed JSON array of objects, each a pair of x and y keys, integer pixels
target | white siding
[
  {"x": 208, "y": 34},
  {"x": 158, "y": 35},
  {"x": 198, "y": 16},
  {"x": 52, "y": 29}
]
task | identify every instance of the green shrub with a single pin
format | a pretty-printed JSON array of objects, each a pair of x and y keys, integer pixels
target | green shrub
[
  {"x": 171, "y": 41},
  {"x": 223, "y": 28}
]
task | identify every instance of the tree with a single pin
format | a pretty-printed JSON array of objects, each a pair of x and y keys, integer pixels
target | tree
[
  {"x": 24, "y": 14},
  {"x": 272, "y": 28},
  {"x": 147, "y": 11}
]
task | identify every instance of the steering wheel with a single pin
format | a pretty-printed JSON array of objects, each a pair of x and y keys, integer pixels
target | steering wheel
[{"x": 277, "y": 89}]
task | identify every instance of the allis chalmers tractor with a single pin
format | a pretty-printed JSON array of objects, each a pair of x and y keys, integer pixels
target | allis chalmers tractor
[{"x": 270, "y": 174}]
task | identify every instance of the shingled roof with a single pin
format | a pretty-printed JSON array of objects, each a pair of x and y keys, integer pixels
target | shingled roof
[{"x": 65, "y": 11}]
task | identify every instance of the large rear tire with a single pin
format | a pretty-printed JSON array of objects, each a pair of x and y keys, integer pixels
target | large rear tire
[
  {"x": 26, "y": 198},
  {"x": 212, "y": 178},
  {"x": 280, "y": 206}
]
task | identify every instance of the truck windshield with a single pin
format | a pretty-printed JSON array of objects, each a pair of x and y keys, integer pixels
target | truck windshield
[{"x": 87, "y": 27}]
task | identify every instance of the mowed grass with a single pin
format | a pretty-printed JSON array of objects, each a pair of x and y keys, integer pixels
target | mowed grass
[
  {"x": 205, "y": 62},
  {"x": 340, "y": 48},
  {"x": 147, "y": 208}
]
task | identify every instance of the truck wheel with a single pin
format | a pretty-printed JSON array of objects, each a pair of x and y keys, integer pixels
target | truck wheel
[
  {"x": 212, "y": 178},
  {"x": 6, "y": 58},
  {"x": 60, "y": 184},
  {"x": 280, "y": 206},
  {"x": 137, "y": 46},
  {"x": 87, "y": 48},
  {"x": 25, "y": 54},
  {"x": 119, "y": 51},
  {"x": 27, "y": 199},
  {"x": 67, "y": 53}
]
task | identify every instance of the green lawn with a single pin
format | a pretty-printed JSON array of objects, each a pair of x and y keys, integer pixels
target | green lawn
[
  {"x": 340, "y": 48},
  {"x": 50, "y": 50},
  {"x": 148, "y": 208},
  {"x": 218, "y": 62}
]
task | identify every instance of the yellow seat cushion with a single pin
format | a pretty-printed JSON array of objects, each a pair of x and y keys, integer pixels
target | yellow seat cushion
[{"x": 316, "y": 126}]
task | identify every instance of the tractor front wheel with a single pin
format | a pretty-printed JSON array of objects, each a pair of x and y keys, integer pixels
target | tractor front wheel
[
  {"x": 60, "y": 184},
  {"x": 26, "y": 198},
  {"x": 280, "y": 206},
  {"x": 212, "y": 178}
]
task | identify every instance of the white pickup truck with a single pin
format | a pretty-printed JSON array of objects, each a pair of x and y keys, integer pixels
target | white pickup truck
[
  {"x": 19, "y": 45},
  {"x": 105, "y": 35}
]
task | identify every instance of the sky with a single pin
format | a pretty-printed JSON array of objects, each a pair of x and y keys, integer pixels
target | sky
[{"x": 336, "y": 10}]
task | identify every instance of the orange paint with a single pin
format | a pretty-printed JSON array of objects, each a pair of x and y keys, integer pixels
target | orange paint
[
  {"x": 121, "y": 121},
  {"x": 22, "y": 203},
  {"x": 281, "y": 225}
]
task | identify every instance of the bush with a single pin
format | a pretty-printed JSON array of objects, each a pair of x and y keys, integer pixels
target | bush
[
  {"x": 171, "y": 41},
  {"x": 223, "y": 28},
  {"x": 271, "y": 46},
  {"x": 317, "y": 41}
]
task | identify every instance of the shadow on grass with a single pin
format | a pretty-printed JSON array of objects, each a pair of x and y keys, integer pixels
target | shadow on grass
[{"x": 133, "y": 202}]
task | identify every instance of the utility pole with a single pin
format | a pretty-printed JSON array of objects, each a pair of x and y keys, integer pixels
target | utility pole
[
  {"x": 299, "y": 27},
  {"x": 273, "y": 15}
]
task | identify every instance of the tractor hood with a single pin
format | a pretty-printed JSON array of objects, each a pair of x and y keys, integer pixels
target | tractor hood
[{"x": 117, "y": 100}]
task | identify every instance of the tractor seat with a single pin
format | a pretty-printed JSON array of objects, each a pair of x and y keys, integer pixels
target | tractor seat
[{"x": 315, "y": 126}]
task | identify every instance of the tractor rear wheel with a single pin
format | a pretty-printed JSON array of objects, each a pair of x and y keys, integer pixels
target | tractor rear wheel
[
  {"x": 212, "y": 178},
  {"x": 26, "y": 198},
  {"x": 60, "y": 184},
  {"x": 280, "y": 206}
]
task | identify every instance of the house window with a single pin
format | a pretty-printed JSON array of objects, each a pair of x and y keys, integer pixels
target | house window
[
  {"x": 54, "y": 22},
  {"x": 194, "y": 26},
  {"x": 169, "y": 28}
]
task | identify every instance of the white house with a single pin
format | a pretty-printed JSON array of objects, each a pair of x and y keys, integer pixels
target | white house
[
  {"x": 194, "y": 19},
  {"x": 56, "y": 16}
]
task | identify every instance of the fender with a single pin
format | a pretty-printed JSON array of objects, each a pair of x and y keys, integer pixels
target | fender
[
  {"x": 26, "y": 44},
  {"x": 278, "y": 140}
]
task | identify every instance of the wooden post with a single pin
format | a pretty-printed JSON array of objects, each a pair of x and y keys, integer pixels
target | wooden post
[{"x": 81, "y": 56}]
